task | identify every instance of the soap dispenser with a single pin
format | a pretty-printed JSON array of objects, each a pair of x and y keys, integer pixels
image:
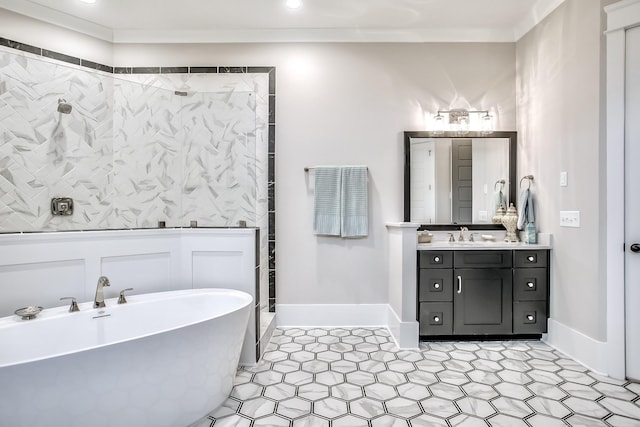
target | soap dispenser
[{"x": 530, "y": 233}]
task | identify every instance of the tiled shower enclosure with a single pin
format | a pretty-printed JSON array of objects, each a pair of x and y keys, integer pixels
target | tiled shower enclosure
[{"x": 141, "y": 145}]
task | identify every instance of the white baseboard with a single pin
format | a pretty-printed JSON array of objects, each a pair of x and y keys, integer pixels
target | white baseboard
[
  {"x": 583, "y": 349},
  {"x": 405, "y": 334}
]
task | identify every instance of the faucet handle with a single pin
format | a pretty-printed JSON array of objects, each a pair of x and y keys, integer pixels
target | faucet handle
[
  {"x": 122, "y": 299},
  {"x": 74, "y": 304},
  {"x": 451, "y": 238},
  {"x": 471, "y": 237}
]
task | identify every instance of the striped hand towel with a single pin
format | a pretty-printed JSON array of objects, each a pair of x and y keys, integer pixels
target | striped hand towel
[
  {"x": 354, "y": 202},
  {"x": 326, "y": 208}
]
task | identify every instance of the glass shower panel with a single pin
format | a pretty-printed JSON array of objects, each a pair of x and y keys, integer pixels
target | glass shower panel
[
  {"x": 219, "y": 154},
  {"x": 148, "y": 140}
]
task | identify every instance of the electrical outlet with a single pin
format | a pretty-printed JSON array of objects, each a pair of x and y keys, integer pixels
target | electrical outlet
[{"x": 569, "y": 218}]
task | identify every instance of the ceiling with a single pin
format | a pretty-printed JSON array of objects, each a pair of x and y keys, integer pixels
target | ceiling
[{"x": 200, "y": 21}]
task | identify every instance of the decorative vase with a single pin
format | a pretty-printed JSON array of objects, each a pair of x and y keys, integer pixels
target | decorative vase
[
  {"x": 510, "y": 222},
  {"x": 497, "y": 218}
]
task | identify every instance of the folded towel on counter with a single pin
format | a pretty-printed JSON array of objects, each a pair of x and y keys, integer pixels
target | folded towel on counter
[
  {"x": 354, "y": 202},
  {"x": 525, "y": 208},
  {"x": 326, "y": 208}
]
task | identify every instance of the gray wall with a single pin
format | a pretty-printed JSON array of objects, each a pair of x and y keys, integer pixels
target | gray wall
[{"x": 559, "y": 124}]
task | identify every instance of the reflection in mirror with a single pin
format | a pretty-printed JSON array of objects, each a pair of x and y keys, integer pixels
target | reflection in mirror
[{"x": 457, "y": 180}]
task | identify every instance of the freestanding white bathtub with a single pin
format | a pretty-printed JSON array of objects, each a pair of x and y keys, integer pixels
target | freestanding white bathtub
[{"x": 162, "y": 359}]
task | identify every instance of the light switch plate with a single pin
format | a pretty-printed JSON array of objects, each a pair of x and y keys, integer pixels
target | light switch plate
[
  {"x": 569, "y": 218},
  {"x": 564, "y": 178}
]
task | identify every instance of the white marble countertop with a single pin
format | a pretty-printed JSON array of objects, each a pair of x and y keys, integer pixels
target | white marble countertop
[{"x": 440, "y": 242}]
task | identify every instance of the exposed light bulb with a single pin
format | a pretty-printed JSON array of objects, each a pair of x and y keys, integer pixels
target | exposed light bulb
[{"x": 294, "y": 4}]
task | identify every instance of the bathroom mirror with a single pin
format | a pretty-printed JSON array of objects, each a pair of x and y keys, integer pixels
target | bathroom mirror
[{"x": 450, "y": 179}]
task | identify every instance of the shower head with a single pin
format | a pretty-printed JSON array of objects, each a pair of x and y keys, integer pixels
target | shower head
[{"x": 64, "y": 107}]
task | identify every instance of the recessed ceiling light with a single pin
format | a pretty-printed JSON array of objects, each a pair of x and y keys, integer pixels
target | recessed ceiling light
[
  {"x": 88, "y": 1},
  {"x": 294, "y": 4}
]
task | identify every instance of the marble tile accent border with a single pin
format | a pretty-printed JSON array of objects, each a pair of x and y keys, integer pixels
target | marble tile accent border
[
  {"x": 330, "y": 377},
  {"x": 269, "y": 70}
]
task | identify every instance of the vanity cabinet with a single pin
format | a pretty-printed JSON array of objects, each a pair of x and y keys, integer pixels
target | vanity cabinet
[{"x": 482, "y": 292}]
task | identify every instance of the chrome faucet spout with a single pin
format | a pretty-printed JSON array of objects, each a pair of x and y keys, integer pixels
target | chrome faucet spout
[
  {"x": 98, "y": 301},
  {"x": 462, "y": 231}
]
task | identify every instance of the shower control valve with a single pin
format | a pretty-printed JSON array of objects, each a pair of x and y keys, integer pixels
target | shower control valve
[{"x": 62, "y": 206}]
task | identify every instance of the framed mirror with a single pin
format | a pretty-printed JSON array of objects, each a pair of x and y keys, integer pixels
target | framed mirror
[{"x": 453, "y": 180}]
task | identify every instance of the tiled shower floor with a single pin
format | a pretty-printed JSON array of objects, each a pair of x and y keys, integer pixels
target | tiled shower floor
[{"x": 357, "y": 377}]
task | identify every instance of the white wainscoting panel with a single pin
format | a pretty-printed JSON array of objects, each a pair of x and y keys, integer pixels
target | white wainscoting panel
[
  {"x": 40, "y": 283},
  {"x": 39, "y": 268},
  {"x": 144, "y": 273}
]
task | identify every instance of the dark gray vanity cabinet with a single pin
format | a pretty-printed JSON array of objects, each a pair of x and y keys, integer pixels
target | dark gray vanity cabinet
[{"x": 482, "y": 292}]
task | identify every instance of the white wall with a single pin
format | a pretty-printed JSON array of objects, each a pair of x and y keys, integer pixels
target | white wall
[{"x": 558, "y": 101}]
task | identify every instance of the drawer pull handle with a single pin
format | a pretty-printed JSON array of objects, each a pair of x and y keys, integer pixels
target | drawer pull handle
[
  {"x": 530, "y": 285},
  {"x": 530, "y": 318},
  {"x": 436, "y": 319},
  {"x": 531, "y": 259},
  {"x": 436, "y": 285},
  {"x": 436, "y": 259},
  {"x": 459, "y": 284}
]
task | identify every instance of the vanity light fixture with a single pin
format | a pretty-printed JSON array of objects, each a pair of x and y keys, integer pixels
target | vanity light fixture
[
  {"x": 293, "y": 4},
  {"x": 461, "y": 123}
]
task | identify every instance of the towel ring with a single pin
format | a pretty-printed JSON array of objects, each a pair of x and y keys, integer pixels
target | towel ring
[
  {"x": 529, "y": 178},
  {"x": 501, "y": 182}
]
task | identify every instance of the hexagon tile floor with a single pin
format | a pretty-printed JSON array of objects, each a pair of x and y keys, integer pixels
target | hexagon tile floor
[{"x": 350, "y": 377}]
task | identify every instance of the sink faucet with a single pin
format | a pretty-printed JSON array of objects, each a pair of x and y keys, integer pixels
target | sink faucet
[
  {"x": 462, "y": 231},
  {"x": 98, "y": 301}
]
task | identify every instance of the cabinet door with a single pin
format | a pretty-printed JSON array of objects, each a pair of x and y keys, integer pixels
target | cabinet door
[{"x": 482, "y": 301}]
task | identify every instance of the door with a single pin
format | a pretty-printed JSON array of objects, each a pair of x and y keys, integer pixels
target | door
[
  {"x": 482, "y": 301},
  {"x": 423, "y": 181},
  {"x": 632, "y": 203},
  {"x": 461, "y": 180}
]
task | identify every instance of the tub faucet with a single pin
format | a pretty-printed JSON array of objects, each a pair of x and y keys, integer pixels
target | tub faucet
[{"x": 98, "y": 301}]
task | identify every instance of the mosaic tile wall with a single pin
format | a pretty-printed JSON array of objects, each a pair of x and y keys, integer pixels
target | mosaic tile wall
[{"x": 134, "y": 152}]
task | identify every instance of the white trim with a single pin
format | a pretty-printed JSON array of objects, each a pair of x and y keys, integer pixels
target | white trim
[
  {"x": 620, "y": 15},
  {"x": 55, "y": 17},
  {"x": 580, "y": 347},
  {"x": 405, "y": 334}
]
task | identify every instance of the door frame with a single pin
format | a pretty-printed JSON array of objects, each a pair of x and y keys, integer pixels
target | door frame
[{"x": 620, "y": 16}]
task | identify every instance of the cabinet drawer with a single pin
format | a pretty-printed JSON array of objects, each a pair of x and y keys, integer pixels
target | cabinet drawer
[
  {"x": 436, "y": 284},
  {"x": 482, "y": 259},
  {"x": 525, "y": 258},
  {"x": 435, "y": 259},
  {"x": 436, "y": 318},
  {"x": 529, "y": 317},
  {"x": 530, "y": 284}
]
